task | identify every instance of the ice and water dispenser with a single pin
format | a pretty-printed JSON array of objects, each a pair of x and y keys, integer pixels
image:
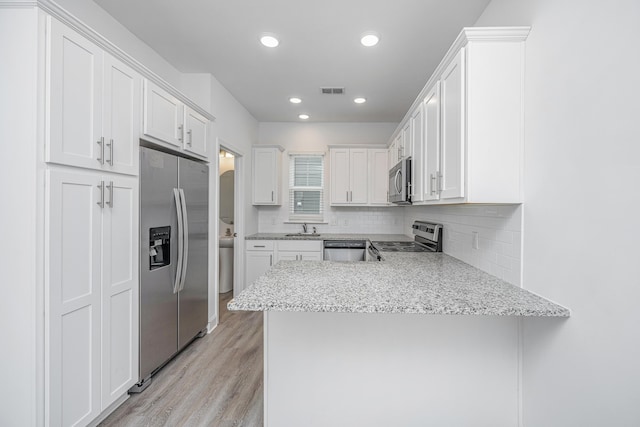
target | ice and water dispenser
[{"x": 159, "y": 247}]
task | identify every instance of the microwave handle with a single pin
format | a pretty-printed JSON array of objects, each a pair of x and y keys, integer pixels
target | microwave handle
[{"x": 395, "y": 182}]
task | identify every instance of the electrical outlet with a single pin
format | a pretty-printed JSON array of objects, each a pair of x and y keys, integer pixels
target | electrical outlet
[{"x": 474, "y": 239}]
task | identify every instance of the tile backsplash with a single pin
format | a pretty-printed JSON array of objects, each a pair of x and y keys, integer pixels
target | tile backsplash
[
  {"x": 499, "y": 235},
  {"x": 388, "y": 220},
  {"x": 498, "y": 228}
]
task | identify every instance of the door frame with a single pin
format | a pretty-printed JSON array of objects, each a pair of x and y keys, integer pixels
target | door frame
[{"x": 239, "y": 227}]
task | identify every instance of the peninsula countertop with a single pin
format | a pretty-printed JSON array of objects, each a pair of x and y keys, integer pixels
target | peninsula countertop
[{"x": 421, "y": 283}]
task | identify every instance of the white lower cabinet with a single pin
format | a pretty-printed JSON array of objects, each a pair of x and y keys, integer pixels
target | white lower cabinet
[
  {"x": 259, "y": 259},
  {"x": 261, "y": 255},
  {"x": 91, "y": 293},
  {"x": 299, "y": 250}
]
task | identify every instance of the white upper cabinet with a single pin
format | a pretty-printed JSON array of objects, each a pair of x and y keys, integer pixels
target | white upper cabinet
[
  {"x": 93, "y": 105},
  {"x": 349, "y": 174},
  {"x": 416, "y": 122},
  {"x": 196, "y": 132},
  {"x": 471, "y": 149},
  {"x": 163, "y": 115},
  {"x": 122, "y": 113},
  {"x": 431, "y": 161},
  {"x": 168, "y": 120},
  {"x": 452, "y": 102},
  {"x": 267, "y": 161},
  {"x": 378, "y": 176}
]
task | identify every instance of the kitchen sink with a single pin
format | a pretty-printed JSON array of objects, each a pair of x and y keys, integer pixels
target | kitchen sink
[{"x": 302, "y": 234}]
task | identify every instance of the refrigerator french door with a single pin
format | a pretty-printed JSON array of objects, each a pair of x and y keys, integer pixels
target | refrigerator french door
[{"x": 174, "y": 215}]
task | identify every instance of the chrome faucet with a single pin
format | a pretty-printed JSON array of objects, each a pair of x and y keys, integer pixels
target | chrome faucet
[{"x": 304, "y": 228}]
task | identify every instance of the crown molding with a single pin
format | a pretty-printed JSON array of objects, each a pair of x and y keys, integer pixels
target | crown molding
[{"x": 56, "y": 11}]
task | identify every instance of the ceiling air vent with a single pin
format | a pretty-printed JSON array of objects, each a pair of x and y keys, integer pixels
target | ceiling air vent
[{"x": 332, "y": 90}]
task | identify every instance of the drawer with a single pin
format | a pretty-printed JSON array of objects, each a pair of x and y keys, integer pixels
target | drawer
[
  {"x": 300, "y": 245},
  {"x": 260, "y": 245}
]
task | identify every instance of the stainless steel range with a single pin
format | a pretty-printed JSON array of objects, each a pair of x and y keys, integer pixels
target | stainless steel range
[{"x": 427, "y": 238}]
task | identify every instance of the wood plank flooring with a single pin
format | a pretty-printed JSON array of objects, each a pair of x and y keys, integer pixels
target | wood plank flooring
[{"x": 216, "y": 381}]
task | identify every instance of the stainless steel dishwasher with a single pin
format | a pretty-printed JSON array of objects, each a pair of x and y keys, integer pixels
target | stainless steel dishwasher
[{"x": 344, "y": 250}]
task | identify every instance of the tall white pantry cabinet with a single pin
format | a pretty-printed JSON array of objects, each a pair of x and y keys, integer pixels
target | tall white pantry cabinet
[
  {"x": 93, "y": 116},
  {"x": 72, "y": 108}
]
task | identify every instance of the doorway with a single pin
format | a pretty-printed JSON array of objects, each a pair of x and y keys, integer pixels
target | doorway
[{"x": 230, "y": 224}]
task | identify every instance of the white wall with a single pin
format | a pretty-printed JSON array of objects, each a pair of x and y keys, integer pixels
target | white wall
[
  {"x": 316, "y": 137},
  {"x": 19, "y": 257},
  {"x": 582, "y": 208},
  {"x": 499, "y": 231}
]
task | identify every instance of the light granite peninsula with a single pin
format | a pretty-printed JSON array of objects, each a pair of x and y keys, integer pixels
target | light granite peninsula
[{"x": 416, "y": 339}]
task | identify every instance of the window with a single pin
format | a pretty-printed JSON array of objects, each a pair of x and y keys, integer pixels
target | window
[{"x": 306, "y": 187}]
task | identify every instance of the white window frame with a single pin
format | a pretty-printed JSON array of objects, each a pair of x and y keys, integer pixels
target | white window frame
[{"x": 311, "y": 218}]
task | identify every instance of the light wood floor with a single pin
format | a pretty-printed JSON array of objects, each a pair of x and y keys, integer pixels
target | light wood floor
[{"x": 216, "y": 381}]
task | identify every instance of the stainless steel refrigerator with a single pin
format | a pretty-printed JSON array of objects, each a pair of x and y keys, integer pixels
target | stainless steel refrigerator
[{"x": 174, "y": 215}]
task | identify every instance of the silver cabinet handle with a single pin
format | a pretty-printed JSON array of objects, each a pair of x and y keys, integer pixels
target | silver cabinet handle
[
  {"x": 110, "y": 188},
  {"x": 185, "y": 235},
  {"x": 110, "y": 145},
  {"x": 101, "y": 188},
  {"x": 440, "y": 177},
  {"x": 180, "y": 132},
  {"x": 176, "y": 198},
  {"x": 272, "y": 196},
  {"x": 100, "y": 142},
  {"x": 433, "y": 185},
  {"x": 270, "y": 260},
  {"x": 347, "y": 196},
  {"x": 190, "y": 139},
  {"x": 259, "y": 246}
]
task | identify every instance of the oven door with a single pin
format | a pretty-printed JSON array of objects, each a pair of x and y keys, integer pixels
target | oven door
[{"x": 399, "y": 182}]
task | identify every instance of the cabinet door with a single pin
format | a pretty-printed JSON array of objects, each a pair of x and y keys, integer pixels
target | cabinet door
[
  {"x": 452, "y": 98},
  {"x": 119, "y": 288},
  {"x": 266, "y": 176},
  {"x": 432, "y": 143},
  {"x": 74, "y": 101},
  {"x": 406, "y": 150},
  {"x": 340, "y": 185},
  {"x": 358, "y": 175},
  {"x": 72, "y": 295},
  {"x": 196, "y": 132},
  {"x": 258, "y": 263},
  {"x": 378, "y": 177},
  {"x": 122, "y": 109},
  {"x": 310, "y": 256},
  {"x": 399, "y": 149},
  {"x": 288, "y": 256},
  {"x": 163, "y": 115},
  {"x": 417, "y": 156},
  {"x": 393, "y": 155}
]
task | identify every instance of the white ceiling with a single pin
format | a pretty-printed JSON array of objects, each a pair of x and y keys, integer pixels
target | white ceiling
[{"x": 319, "y": 46}]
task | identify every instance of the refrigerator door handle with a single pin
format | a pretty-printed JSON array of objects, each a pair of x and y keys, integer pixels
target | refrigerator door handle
[
  {"x": 178, "y": 200},
  {"x": 185, "y": 237}
]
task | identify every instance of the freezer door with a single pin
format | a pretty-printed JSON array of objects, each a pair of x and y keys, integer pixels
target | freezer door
[
  {"x": 193, "y": 296},
  {"x": 158, "y": 302}
]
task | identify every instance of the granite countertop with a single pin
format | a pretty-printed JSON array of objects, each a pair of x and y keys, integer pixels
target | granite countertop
[
  {"x": 423, "y": 283},
  {"x": 333, "y": 236}
]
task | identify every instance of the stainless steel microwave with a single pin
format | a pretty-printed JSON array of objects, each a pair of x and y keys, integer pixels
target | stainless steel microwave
[{"x": 400, "y": 182}]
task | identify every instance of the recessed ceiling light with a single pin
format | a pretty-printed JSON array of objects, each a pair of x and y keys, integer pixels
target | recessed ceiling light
[
  {"x": 295, "y": 100},
  {"x": 303, "y": 116},
  {"x": 369, "y": 39},
  {"x": 360, "y": 100},
  {"x": 269, "y": 40}
]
